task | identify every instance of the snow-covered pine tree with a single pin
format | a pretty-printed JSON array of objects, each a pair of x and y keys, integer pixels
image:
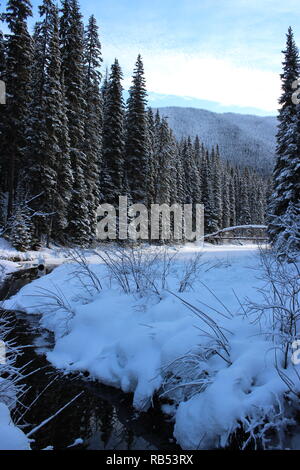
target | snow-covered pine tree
[
  {"x": 152, "y": 160},
  {"x": 18, "y": 80},
  {"x": 191, "y": 173},
  {"x": 165, "y": 155},
  {"x": 179, "y": 178},
  {"x": 72, "y": 50},
  {"x": 244, "y": 203},
  {"x": 286, "y": 195},
  {"x": 58, "y": 134},
  {"x": 136, "y": 152},
  {"x": 105, "y": 83},
  {"x": 217, "y": 181},
  {"x": 20, "y": 226},
  {"x": 40, "y": 174},
  {"x": 104, "y": 87},
  {"x": 237, "y": 187},
  {"x": 288, "y": 241},
  {"x": 186, "y": 171},
  {"x": 20, "y": 230},
  {"x": 198, "y": 151},
  {"x": 155, "y": 157},
  {"x": 257, "y": 199},
  {"x": 113, "y": 138},
  {"x": 174, "y": 189},
  {"x": 49, "y": 173},
  {"x": 162, "y": 164},
  {"x": 210, "y": 217},
  {"x": 225, "y": 192},
  {"x": 93, "y": 120},
  {"x": 232, "y": 197}
]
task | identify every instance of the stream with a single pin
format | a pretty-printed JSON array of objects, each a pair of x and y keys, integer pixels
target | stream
[{"x": 102, "y": 418}]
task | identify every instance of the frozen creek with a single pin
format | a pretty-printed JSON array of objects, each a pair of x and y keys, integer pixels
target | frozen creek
[{"x": 101, "y": 418}]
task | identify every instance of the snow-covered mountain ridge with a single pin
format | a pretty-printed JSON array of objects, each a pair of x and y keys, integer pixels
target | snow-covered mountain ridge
[{"x": 243, "y": 139}]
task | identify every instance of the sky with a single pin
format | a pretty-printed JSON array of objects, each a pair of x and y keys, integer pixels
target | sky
[{"x": 221, "y": 55}]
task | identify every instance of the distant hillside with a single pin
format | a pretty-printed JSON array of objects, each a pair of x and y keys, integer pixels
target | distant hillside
[{"x": 243, "y": 139}]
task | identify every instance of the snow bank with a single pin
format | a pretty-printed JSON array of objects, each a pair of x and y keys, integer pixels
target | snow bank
[
  {"x": 54, "y": 255},
  {"x": 132, "y": 341},
  {"x": 11, "y": 438},
  {"x": 238, "y": 392},
  {"x": 7, "y": 267}
]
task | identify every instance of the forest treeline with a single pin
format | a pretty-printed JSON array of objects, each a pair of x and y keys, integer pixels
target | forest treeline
[{"x": 69, "y": 142}]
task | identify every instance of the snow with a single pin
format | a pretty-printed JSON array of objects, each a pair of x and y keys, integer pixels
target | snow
[
  {"x": 8, "y": 254},
  {"x": 77, "y": 442},
  {"x": 7, "y": 267},
  {"x": 133, "y": 341},
  {"x": 207, "y": 419},
  {"x": 11, "y": 438}
]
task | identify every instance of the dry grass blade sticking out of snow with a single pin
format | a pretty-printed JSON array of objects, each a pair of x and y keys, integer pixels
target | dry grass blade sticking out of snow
[
  {"x": 10, "y": 375},
  {"x": 190, "y": 374},
  {"x": 279, "y": 311}
]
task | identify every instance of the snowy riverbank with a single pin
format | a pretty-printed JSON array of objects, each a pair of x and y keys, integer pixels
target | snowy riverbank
[
  {"x": 130, "y": 331},
  {"x": 11, "y": 437}
]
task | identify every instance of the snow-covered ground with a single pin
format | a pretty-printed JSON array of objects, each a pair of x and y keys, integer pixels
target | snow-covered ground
[
  {"x": 179, "y": 326},
  {"x": 51, "y": 256},
  {"x": 11, "y": 438},
  {"x": 7, "y": 267}
]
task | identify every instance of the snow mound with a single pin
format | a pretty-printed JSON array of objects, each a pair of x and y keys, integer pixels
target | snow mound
[{"x": 11, "y": 437}]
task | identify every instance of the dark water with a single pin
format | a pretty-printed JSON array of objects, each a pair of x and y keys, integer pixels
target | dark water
[{"x": 102, "y": 416}]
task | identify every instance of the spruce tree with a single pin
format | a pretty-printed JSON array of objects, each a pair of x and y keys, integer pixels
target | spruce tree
[
  {"x": 257, "y": 199},
  {"x": 20, "y": 230},
  {"x": 232, "y": 198},
  {"x": 287, "y": 170},
  {"x": 210, "y": 217},
  {"x": 244, "y": 202},
  {"x": 165, "y": 161},
  {"x": 191, "y": 173},
  {"x": 18, "y": 79},
  {"x": 113, "y": 138},
  {"x": 198, "y": 151},
  {"x": 288, "y": 241},
  {"x": 47, "y": 133},
  {"x": 72, "y": 50},
  {"x": 179, "y": 179},
  {"x": 58, "y": 132},
  {"x": 40, "y": 174},
  {"x": 104, "y": 90},
  {"x": 217, "y": 181},
  {"x": 225, "y": 197},
  {"x": 136, "y": 152},
  {"x": 152, "y": 170},
  {"x": 93, "y": 120}
]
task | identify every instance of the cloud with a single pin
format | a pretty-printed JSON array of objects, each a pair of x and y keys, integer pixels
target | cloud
[{"x": 204, "y": 77}]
